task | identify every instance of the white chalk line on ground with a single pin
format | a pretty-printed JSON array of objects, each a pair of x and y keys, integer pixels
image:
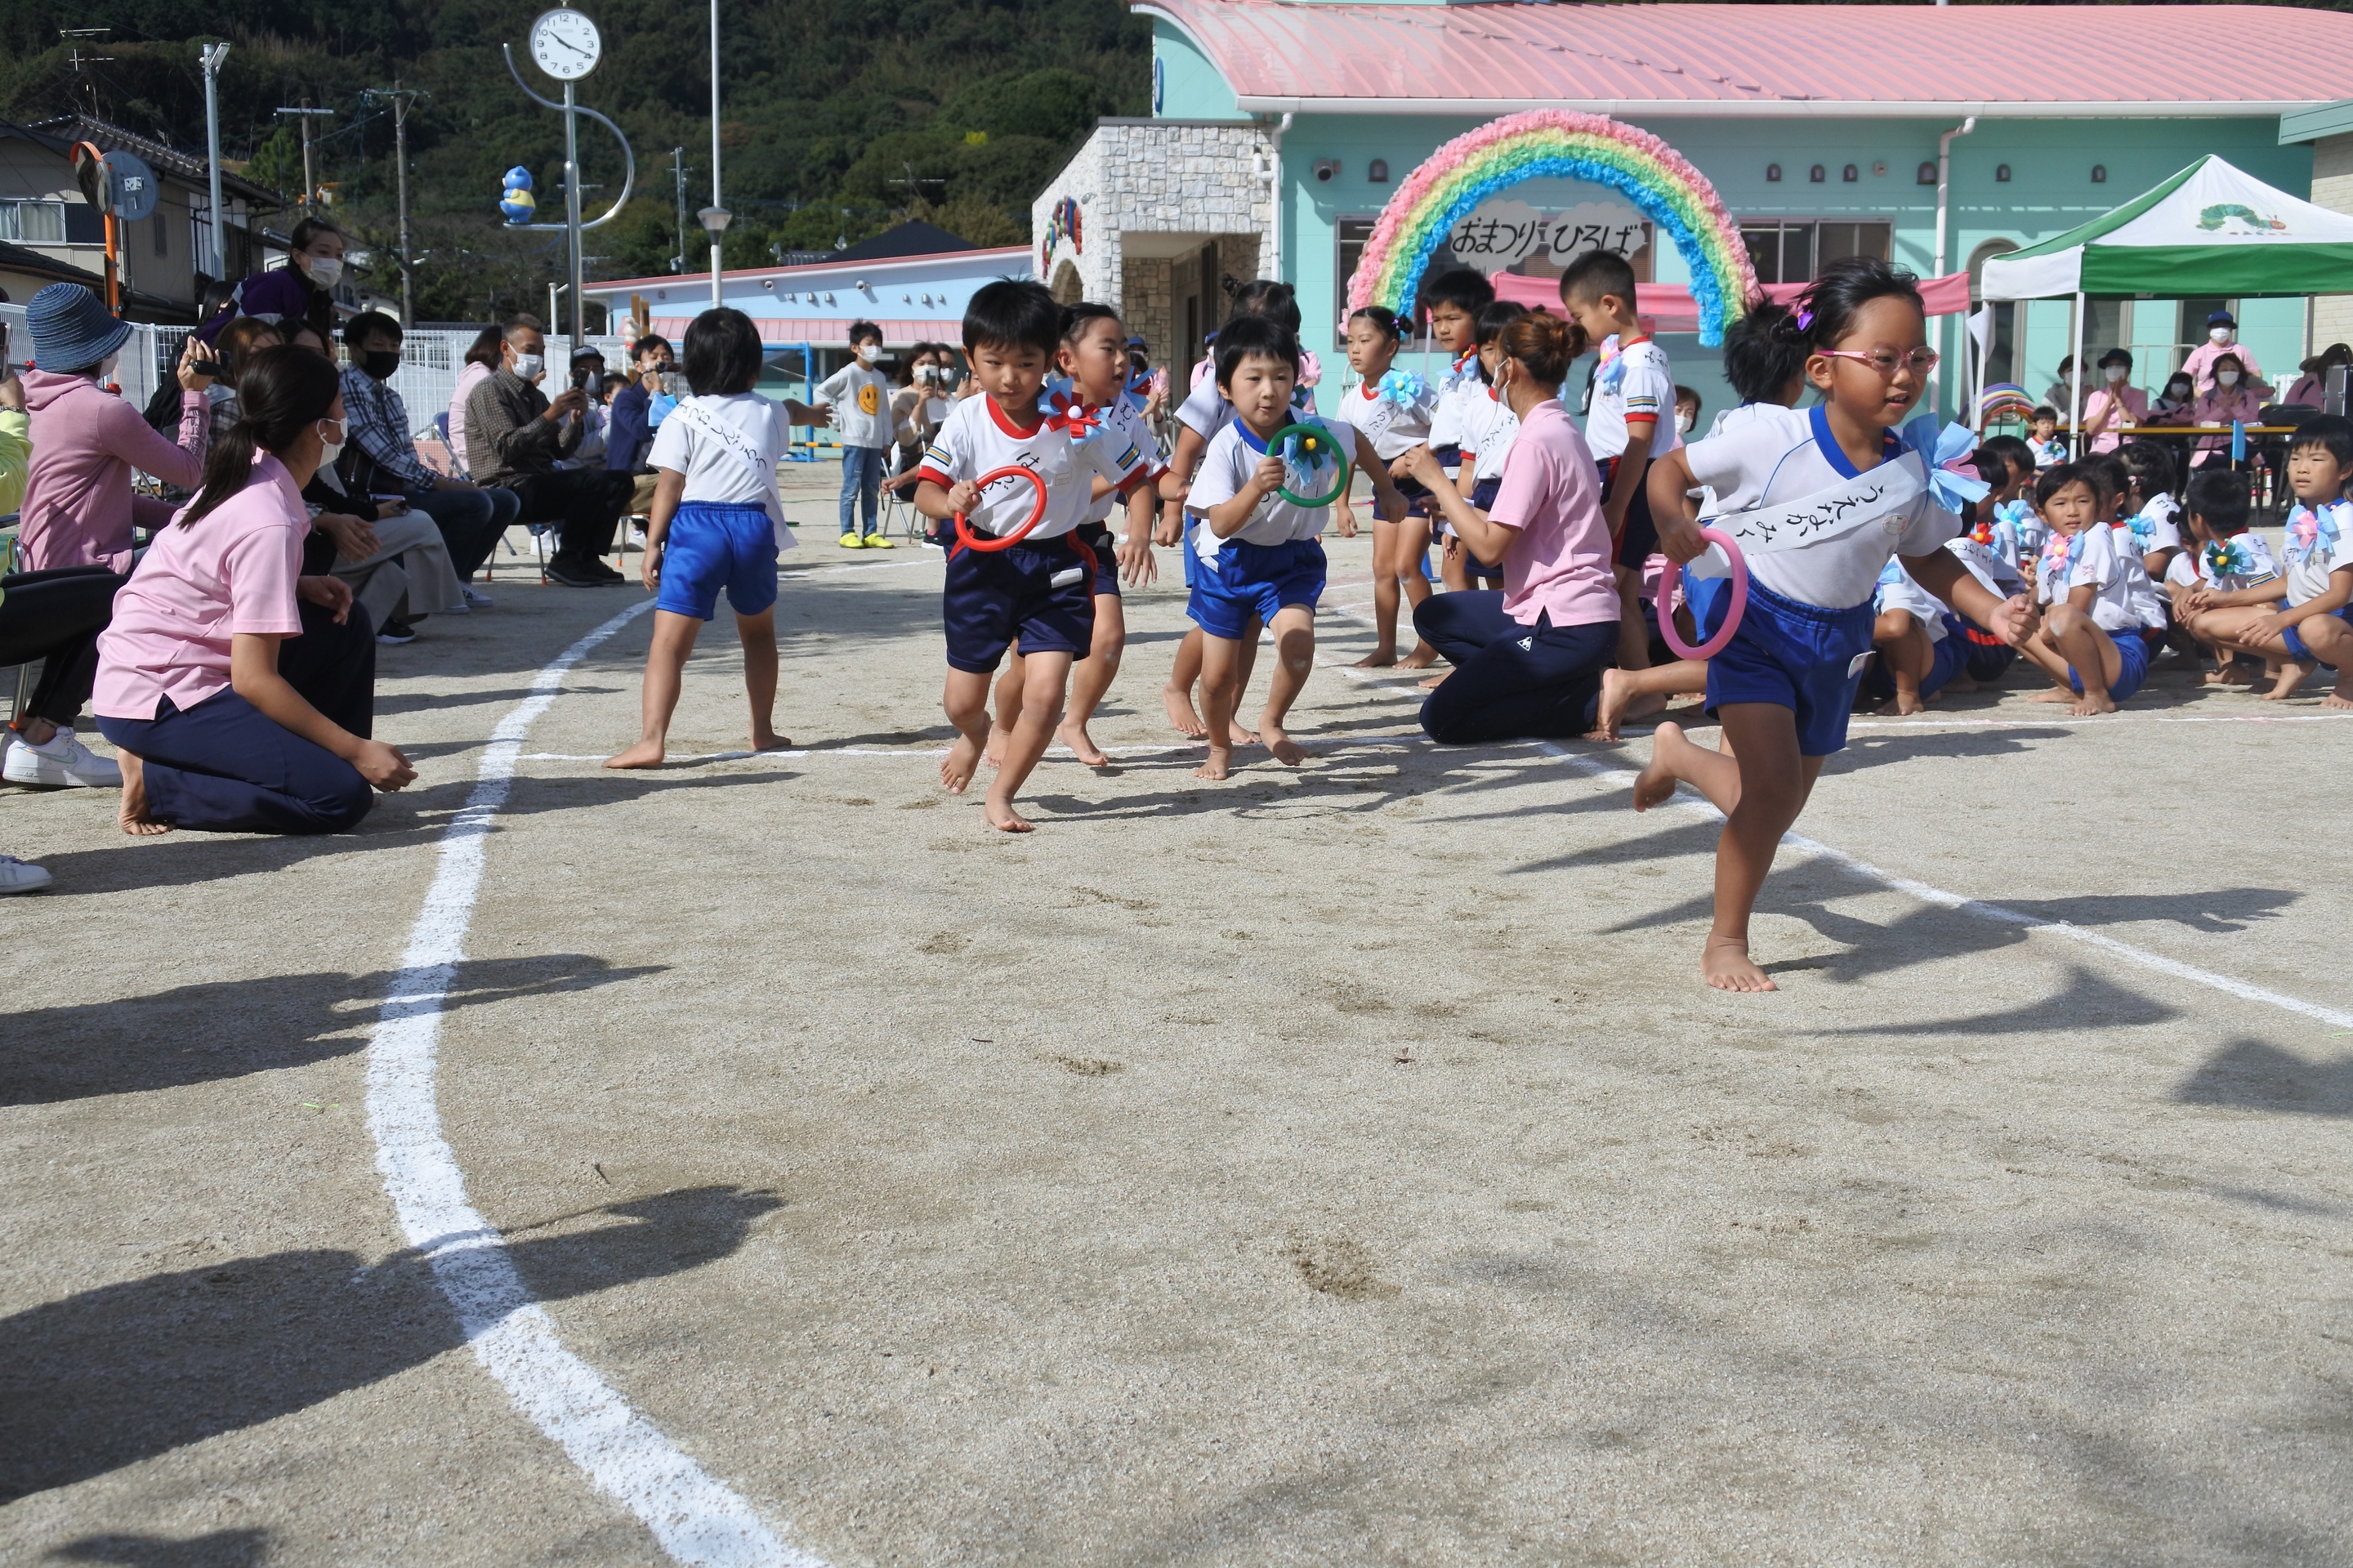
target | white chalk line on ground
[{"x": 696, "y": 1519}]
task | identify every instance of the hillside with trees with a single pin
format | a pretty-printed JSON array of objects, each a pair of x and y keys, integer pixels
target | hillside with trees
[{"x": 837, "y": 119}]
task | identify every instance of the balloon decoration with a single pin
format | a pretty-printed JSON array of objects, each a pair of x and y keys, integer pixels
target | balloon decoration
[{"x": 516, "y": 201}]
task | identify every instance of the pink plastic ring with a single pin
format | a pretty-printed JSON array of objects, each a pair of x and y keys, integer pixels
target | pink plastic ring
[
  {"x": 1005, "y": 541},
  {"x": 1673, "y": 574}
]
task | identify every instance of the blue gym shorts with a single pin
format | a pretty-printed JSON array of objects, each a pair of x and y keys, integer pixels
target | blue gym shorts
[
  {"x": 1796, "y": 656},
  {"x": 1987, "y": 657},
  {"x": 1247, "y": 581},
  {"x": 1946, "y": 660},
  {"x": 2300, "y": 650},
  {"x": 2130, "y": 674},
  {"x": 1097, "y": 538},
  {"x": 1043, "y": 593},
  {"x": 1192, "y": 557},
  {"x": 713, "y": 544}
]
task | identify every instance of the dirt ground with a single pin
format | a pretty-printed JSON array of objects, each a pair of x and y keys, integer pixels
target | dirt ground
[{"x": 1338, "y": 1165}]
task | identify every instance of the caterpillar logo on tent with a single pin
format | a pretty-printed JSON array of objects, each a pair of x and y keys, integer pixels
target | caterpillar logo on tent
[{"x": 2220, "y": 213}]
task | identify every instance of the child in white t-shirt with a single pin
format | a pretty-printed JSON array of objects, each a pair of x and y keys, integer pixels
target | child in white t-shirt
[
  {"x": 2310, "y": 627},
  {"x": 1630, "y": 425},
  {"x": 1391, "y": 410},
  {"x": 858, "y": 397},
  {"x": 1821, "y": 500},
  {"x": 2098, "y": 600},
  {"x": 2044, "y": 442},
  {"x": 2151, "y": 516},
  {"x": 2223, "y": 558},
  {"x": 717, "y": 522}
]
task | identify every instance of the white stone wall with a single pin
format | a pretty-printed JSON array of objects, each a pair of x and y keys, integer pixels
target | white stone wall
[
  {"x": 2332, "y": 187},
  {"x": 1156, "y": 177}
]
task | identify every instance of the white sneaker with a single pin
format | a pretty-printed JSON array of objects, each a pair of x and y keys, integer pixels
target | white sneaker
[
  {"x": 60, "y": 762},
  {"x": 21, "y": 876},
  {"x": 478, "y": 599}
]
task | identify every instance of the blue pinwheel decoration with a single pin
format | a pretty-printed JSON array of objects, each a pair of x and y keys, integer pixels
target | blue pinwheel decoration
[
  {"x": 1953, "y": 490},
  {"x": 1402, "y": 388},
  {"x": 1309, "y": 454}
]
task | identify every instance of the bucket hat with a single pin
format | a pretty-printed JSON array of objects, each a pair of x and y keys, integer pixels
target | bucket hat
[{"x": 71, "y": 329}]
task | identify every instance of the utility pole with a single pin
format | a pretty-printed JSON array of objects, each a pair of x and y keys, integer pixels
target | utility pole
[
  {"x": 402, "y": 100},
  {"x": 715, "y": 216},
  {"x": 678, "y": 169},
  {"x": 304, "y": 115},
  {"x": 213, "y": 57},
  {"x": 77, "y": 60}
]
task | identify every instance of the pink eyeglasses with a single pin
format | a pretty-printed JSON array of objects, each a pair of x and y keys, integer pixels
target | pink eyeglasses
[{"x": 1920, "y": 361}]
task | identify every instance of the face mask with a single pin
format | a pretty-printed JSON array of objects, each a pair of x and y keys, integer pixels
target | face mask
[
  {"x": 381, "y": 363},
  {"x": 2219, "y": 334},
  {"x": 528, "y": 366},
  {"x": 2227, "y": 377},
  {"x": 106, "y": 368},
  {"x": 1683, "y": 423},
  {"x": 326, "y": 271},
  {"x": 2116, "y": 372},
  {"x": 868, "y": 352},
  {"x": 328, "y": 451}
]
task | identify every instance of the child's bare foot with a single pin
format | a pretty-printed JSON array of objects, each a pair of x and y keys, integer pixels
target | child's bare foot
[
  {"x": 1725, "y": 964},
  {"x": 2055, "y": 695},
  {"x": 1903, "y": 704},
  {"x": 1380, "y": 658},
  {"x": 2339, "y": 698},
  {"x": 1435, "y": 681},
  {"x": 1422, "y": 657},
  {"x": 2090, "y": 706},
  {"x": 1656, "y": 783},
  {"x": 2291, "y": 677},
  {"x": 998, "y": 735},
  {"x": 2232, "y": 675},
  {"x": 1076, "y": 738},
  {"x": 1003, "y": 817},
  {"x": 1220, "y": 763},
  {"x": 1179, "y": 703},
  {"x": 1279, "y": 742},
  {"x": 959, "y": 765},
  {"x": 1244, "y": 736},
  {"x": 1614, "y": 700},
  {"x": 132, "y": 813},
  {"x": 645, "y": 754},
  {"x": 769, "y": 740},
  {"x": 1961, "y": 683}
]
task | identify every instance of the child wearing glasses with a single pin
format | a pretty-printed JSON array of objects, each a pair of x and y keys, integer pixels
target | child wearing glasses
[{"x": 1819, "y": 500}]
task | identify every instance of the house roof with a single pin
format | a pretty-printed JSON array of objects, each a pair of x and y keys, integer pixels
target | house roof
[
  {"x": 814, "y": 273},
  {"x": 913, "y": 238},
  {"x": 1909, "y": 62},
  {"x": 187, "y": 168},
  {"x": 18, "y": 258}
]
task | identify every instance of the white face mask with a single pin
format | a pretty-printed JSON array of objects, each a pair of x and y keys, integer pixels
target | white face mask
[
  {"x": 106, "y": 368},
  {"x": 2227, "y": 377},
  {"x": 2219, "y": 334},
  {"x": 2119, "y": 372},
  {"x": 328, "y": 451},
  {"x": 868, "y": 352},
  {"x": 529, "y": 365},
  {"x": 1683, "y": 423},
  {"x": 326, "y": 271}
]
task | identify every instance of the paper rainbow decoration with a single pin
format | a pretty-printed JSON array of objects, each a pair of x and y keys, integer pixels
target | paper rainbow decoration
[{"x": 1557, "y": 143}]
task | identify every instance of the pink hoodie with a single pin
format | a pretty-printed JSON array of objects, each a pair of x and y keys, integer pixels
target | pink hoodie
[{"x": 78, "y": 509}]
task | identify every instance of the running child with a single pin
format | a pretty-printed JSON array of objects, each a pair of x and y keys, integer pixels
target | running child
[
  {"x": 2310, "y": 628},
  {"x": 717, "y": 522},
  {"x": 1042, "y": 589},
  {"x": 1093, "y": 357},
  {"x": 1819, "y": 501},
  {"x": 1259, "y": 559},
  {"x": 2090, "y": 641},
  {"x": 2223, "y": 558},
  {"x": 1390, "y": 409},
  {"x": 1633, "y": 393}
]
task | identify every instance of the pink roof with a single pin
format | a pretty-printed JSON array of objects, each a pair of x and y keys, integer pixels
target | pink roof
[
  {"x": 1721, "y": 59},
  {"x": 701, "y": 280}
]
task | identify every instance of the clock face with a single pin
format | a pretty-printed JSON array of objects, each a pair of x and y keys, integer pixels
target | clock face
[{"x": 564, "y": 44}]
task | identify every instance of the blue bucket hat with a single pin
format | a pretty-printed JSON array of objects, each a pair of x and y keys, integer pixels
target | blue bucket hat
[{"x": 71, "y": 328}]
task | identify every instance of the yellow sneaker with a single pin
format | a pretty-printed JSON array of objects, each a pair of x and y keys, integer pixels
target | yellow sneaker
[
  {"x": 852, "y": 542},
  {"x": 878, "y": 542}
]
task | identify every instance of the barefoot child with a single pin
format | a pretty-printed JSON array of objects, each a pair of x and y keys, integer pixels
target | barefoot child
[
  {"x": 2090, "y": 641},
  {"x": 2223, "y": 558},
  {"x": 717, "y": 522},
  {"x": 1630, "y": 427},
  {"x": 1260, "y": 560},
  {"x": 1819, "y": 501},
  {"x": 1390, "y": 409},
  {"x": 1924, "y": 648},
  {"x": 1040, "y": 590},
  {"x": 2310, "y": 628},
  {"x": 1093, "y": 357}
]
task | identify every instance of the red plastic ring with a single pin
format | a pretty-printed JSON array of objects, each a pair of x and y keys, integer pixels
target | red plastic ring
[{"x": 965, "y": 536}]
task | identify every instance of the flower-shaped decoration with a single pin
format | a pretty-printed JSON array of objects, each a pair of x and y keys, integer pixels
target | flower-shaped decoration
[
  {"x": 1065, "y": 410},
  {"x": 1403, "y": 388}
]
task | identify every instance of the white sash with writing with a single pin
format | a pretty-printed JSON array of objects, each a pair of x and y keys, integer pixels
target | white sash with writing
[
  {"x": 1883, "y": 496},
  {"x": 733, "y": 440}
]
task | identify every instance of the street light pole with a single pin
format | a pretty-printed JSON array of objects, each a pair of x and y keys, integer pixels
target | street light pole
[
  {"x": 214, "y": 55},
  {"x": 677, "y": 174},
  {"x": 572, "y": 219},
  {"x": 719, "y": 228}
]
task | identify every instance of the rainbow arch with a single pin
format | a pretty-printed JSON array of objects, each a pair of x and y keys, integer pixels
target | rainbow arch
[{"x": 1556, "y": 144}]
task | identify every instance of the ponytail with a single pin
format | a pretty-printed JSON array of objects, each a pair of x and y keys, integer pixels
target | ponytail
[
  {"x": 1545, "y": 344},
  {"x": 280, "y": 393}
]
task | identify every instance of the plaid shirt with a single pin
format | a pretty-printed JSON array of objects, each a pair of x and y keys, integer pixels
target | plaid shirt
[{"x": 375, "y": 416}]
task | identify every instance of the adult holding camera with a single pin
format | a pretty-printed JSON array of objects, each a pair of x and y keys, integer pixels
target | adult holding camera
[
  {"x": 629, "y": 423},
  {"x": 516, "y": 436},
  {"x": 189, "y": 690}
]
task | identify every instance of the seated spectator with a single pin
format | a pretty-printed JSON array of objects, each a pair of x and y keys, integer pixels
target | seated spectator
[
  {"x": 189, "y": 685},
  {"x": 79, "y": 510},
  {"x": 482, "y": 361},
  {"x": 16, "y": 432},
  {"x": 628, "y": 427},
  {"x": 515, "y": 438},
  {"x": 2311, "y": 387},
  {"x": 2230, "y": 402},
  {"x": 2178, "y": 404},
  {"x": 383, "y": 460},
  {"x": 2114, "y": 407},
  {"x": 588, "y": 376},
  {"x": 245, "y": 337},
  {"x": 2222, "y": 342}
]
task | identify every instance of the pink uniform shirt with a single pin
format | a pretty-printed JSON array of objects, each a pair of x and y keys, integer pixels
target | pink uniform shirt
[
  {"x": 195, "y": 588},
  {"x": 1551, "y": 494},
  {"x": 2199, "y": 366},
  {"x": 2135, "y": 408},
  {"x": 78, "y": 509}
]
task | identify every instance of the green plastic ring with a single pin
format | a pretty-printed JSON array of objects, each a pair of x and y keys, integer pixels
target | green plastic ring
[{"x": 1314, "y": 433}]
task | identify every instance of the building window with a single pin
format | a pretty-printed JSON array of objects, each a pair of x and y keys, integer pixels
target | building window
[
  {"x": 1787, "y": 252},
  {"x": 33, "y": 222}
]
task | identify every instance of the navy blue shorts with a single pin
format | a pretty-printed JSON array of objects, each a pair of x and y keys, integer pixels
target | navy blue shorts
[
  {"x": 1797, "y": 656},
  {"x": 2130, "y": 674},
  {"x": 711, "y": 545},
  {"x": 1640, "y": 539},
  {"x": 1250, "y": 580},
  {"x": 2297, "y": 647},
  {"x": 1043, "y": 594},
  {"x": 1097, "y": 538},
  {"x": 1946, "y": 660},
  {"x": 1987, "y": 657}
]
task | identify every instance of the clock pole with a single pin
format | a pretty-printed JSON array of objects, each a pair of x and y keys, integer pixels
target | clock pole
[{"x": 572, "y": 224}]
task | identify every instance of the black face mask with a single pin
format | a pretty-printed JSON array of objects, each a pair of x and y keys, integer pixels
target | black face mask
[{"x": 381, "y": 363}]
